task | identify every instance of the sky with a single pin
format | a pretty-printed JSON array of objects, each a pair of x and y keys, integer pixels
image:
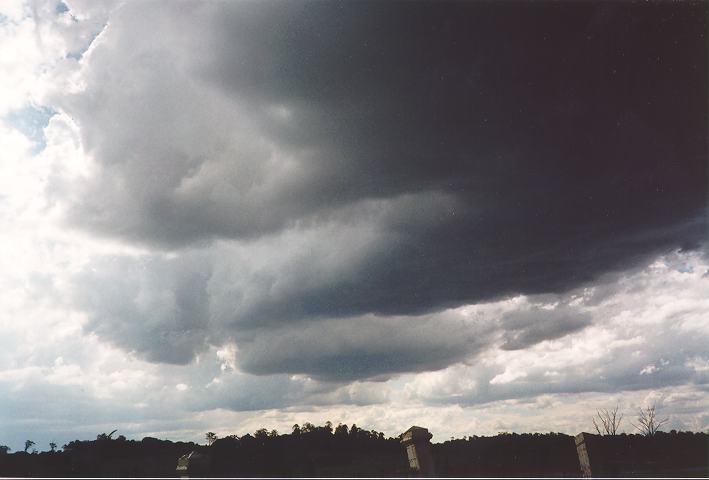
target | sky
[{"x": 473, "y": 217}]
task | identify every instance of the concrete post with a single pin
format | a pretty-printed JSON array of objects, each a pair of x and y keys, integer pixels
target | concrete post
[
  {"x": 583, "y": 446},
  {"x": 417, "y": 441},
  {"x": 192, "y": 464}
]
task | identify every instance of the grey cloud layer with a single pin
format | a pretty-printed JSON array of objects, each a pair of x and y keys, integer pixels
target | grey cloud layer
[
  {"x": 620, "y": 335},
  {"x": 331, "y": 162},
  {"x": 526, "y": 328},
  {"x": 169, "y": 310}
]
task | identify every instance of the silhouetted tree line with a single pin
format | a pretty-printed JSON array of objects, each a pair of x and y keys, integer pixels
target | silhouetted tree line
[
  {"x": 309, "y": 450},
  {"x": 327, "y": 451},
  {"x": 103, "y": 457},
  {"x": 661, "y": 454},
  {"x": 508, "y": 455}
]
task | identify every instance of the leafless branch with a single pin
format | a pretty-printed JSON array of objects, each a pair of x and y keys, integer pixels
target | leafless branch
[
  {"x": 607, "y": 422},
  {"x": 647, "y": 422}
]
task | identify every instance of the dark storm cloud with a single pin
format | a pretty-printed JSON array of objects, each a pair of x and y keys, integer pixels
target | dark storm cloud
[
  {"x": 525, "y": 328},
  {"x": 463, "y": 151},
  {"x": 364, "y": 347},
  {"x": 169, "y": 310}
]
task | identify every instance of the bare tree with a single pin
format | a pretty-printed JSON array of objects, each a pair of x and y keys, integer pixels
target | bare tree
[
  {"x": 28, "y": 444},
  {"x": 648, "y": 423},
  {"x": 607, "y": 422},
  {"x": 211, "y": 437},
  {"x": 106, "y": 436}
]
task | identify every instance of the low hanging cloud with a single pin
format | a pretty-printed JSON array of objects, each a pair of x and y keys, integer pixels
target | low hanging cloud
[
  {"x": 360, "y": 348},
  {"x": 170, "y": 310},
  {"x": 524, "y": 328},
  {"x": 611, "y": 328}
]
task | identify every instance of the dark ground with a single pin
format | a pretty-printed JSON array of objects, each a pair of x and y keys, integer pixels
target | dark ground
[{"x": 327, "y": 452}]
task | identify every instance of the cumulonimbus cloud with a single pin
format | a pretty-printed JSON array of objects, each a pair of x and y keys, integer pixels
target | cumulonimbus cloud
[{"x": 338, "y": 161}]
